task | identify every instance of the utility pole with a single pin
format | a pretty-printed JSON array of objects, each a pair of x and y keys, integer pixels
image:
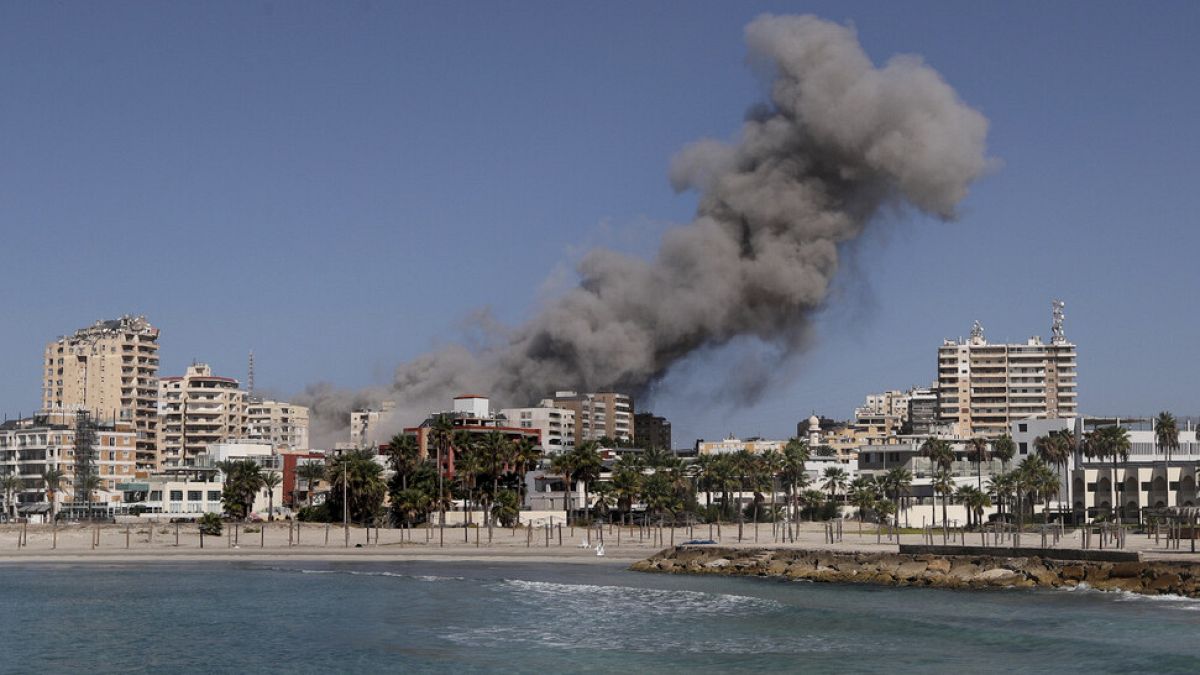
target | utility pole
[{"x": 345, "y": 501}]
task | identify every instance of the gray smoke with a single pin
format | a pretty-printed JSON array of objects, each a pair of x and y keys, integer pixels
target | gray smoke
[{"x": 838, "y": 141}]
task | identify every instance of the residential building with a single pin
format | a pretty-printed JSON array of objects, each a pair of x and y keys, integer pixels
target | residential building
[
  {"x": 31, "y": 446},
  {"x": 197, "y": 410},
  {"x": 556, "y": 426},
  {"x": 730, "y": 445},
  {"x": 187, "y": 493},
  {"x": 984, "y": 387},
  {"x": 599, "y": 415},
  {"x": 282, "y": 424},
  {"x": 652, "y": 431},
  {"x": 111, "y": 370},
  {"x": 471, "y": 414},
  {"x": 367, "y": 425},
  {"x": 922, "y": 411}
]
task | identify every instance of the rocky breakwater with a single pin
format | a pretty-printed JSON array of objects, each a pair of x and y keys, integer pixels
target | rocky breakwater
[{"x": 933, "y": 570}]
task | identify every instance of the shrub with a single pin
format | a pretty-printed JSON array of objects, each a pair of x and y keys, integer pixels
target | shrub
[{"x": 210, "y": 524}]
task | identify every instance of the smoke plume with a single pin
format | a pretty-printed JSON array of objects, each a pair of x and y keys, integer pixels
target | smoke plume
[{"x": 837, "y": 141}]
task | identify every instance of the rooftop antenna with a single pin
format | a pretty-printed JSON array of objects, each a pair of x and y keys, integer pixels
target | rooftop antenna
[
  {"x": 1057, "y": 336},
  {"x": 250, "y": 374},
  {"x": 977, "y": 332}
]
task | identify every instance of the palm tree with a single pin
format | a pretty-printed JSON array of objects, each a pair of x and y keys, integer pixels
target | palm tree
[
  {"x": 53, "y": 479},
  {"x": 588, "y": 467},
  {"x": 494, "y": 449},
  {"x": 863, "y": 495},
  {"x": 793, "y": 474},
  {"x": 1055, "y": 448},
  {"x": 356, "y": 474},
  {"x": 627, "y": 485},
  {"x": 771, "y": 462},
  {"x": 312, "y": 473},
  {"x": 940, "y": 453},
  {"x": 563, "y": 464},
  {"x": 943, "y": 484},
  {"x": 1166, "y": 438},
  {"x": 1004, "y": 449},
  {"x": 836, "y": 479},
  {"x": 404, "y": 456},
  {"x": 270, "y": 481},
  {"x": 89, "y": 482},
  {"x": 979, "y": 455},
  {"x": 11, "y": 483},
  {"x": 441, "y": 435},
  {"x": 898, "y": 481},
  {"x": 526, "y": 454}
]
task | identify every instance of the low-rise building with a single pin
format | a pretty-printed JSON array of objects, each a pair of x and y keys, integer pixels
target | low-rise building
[
  {"x": 284, "y": 425},
  {"x": 555, "y": 425}
]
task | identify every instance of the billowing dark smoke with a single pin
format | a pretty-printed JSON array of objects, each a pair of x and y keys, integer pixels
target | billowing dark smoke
[{"x": 838, "y": 140}]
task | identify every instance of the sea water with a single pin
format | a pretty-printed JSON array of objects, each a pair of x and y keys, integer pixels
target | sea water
[{"x": 336, "y": 617}]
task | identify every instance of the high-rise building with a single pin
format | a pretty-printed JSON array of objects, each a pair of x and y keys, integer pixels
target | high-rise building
[
  {"x": 652, "y": 431},
  {"x": 282, "y": 424},
  {"x": 984, "y": 387},
  {"x": 556, "y": 425},
  {"x": 368, "y": 425},
  {"x": 195, "y": 410},
  {"x": 598, "y": 415},
  {"x": 111, "y": 370}
]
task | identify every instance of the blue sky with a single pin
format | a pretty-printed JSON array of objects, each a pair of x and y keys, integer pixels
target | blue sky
[{"x": 338, "y": 186}]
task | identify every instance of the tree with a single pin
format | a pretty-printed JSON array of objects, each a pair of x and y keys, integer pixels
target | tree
[
  {"x": 863, "y": 495},
  {"x": 360, "y": 477},
  {"x": 771, "y": 461},
  {"x": 793, "y": 475},
  {"x": 270, "y": 481},
  {"x": 836, "y": 480},
  {"x": 563, "y": 464},
  {"x": 897, "y": 482},
  {"x": 943, "y": 484},
  {"x": 53, "y": 478},
  {"x": 243, "y": 480},
  {"x": 89, "y": 482},
  {"x": 939, "y": 452},
  {"x": 526, "y": 454},
  {"x": 312, "y": 473},
  {"x": 495, "y": 450},
  {"x": 1004, "y": 449},
  {"x": 11, "y": 484},
  {"x": 1166, "y": 439},
  {"x": 587, "y": 468},
  {"x": 1055, "y": 448},
  {"x": 403, "y": 455},
  {"x": 979, "y": 454},
  {"x": 441, "y": 435},
  {"x": 627, "y": 484}
]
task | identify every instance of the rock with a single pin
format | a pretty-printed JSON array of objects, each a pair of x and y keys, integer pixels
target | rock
[
  {"x": 848, "y": 567},
  {"x": 910, "y": 570},
  {"x": 997, "y": 576},
  {"x": 666, "y": 565},
  {"x": 777, "y": 567},
  {"x": 1072, "y": 572},
  {"x": 719, "y": 563},
  {"x": 940, "y": 565},
  {"x": 1126, "y": 569},
  {"x": 964, "y": 570},
  {"x": 1096, "y": 573},
  {"x": 1131, "y": 584},
  {"x": 1164, "y": 582},
  {"x": 799, "y": 570}
]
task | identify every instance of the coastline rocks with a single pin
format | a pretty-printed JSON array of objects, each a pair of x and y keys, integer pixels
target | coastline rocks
[{"x": 940, "y": 571}]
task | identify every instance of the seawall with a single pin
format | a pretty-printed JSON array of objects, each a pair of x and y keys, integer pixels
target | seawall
[{"x": 939, "y": 570}]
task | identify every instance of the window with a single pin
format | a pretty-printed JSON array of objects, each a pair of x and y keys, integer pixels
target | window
[
  {"x": 176, "y": 495},
  {"x": 194, "y": 495},
  {"x": 156, "y": 495},
  {"x": 214, "y": 495},
  {"x": 1091, "y": 487},
  {"x": 1146, "y": 486},
  {"x": 1024, "y": 448},
  {"x": 1022, "y": 428}
]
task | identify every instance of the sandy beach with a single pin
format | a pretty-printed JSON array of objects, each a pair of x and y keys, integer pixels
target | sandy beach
[{"x": 281, "y": 540}]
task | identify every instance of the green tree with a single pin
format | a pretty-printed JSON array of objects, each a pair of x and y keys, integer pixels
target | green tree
[
  {"x": 943, "y": 484},
  {"x": 403, "y": 455},
  {"x": 11, "y": 483},
  {"x": 53, "y": 479},
  {"x": 897, "y": 482},
  {"x": 360, "y": 477},
  {"x": 1004, "y": 449},
  {"x": 940, "y": 453},
  {"x": 270, "y": 481},
  {"x": 563, "y": 464},
  {"x": 979, "y": 451},
  {"x": 1166, "y": 439},
  {"x": 587, "y": 468},
  {"x": 836, "y": 480},
  {"x": 243, "y": 479},
  {"x": 793, "y": 474},
  {"x": 1055, "y": 449},
  {"x": 527, "y": 455},
  {"x": 863, "y": 495}
]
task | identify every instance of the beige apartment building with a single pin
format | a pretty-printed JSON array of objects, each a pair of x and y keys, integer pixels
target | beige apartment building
[
  {"x": 598, "y": 415},
  {"x": 282, "y": 424},
  {"x": 195, "y": 410},
  {"x": 110, "y": 369},
  {"x": 31, "y": 446},
  {"x": 984, "y": 387}
]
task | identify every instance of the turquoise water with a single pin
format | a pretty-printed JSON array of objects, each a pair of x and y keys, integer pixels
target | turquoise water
[{"x": 518, "y": 617}]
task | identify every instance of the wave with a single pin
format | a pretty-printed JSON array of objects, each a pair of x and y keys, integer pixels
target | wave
[
  {"x": 645, "y": 600},
  {"x": 1181, "y": 602},
  {"x": 359, "y": 573}
]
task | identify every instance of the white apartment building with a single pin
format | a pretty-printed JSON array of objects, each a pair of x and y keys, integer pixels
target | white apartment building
[
  {"x": 282, "y": 424},
  {"x": 367, "y": 425},
  {"x": 196, "y": 410},
  {"x": 984, "y": 387},
  {"x": 110, "y": 369},
  {"x": 29, "y": 447},
  {"x": 598, "y": 415},
  {"x": 556, "y": 425},
  {"x": 731, "y": 445}
]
